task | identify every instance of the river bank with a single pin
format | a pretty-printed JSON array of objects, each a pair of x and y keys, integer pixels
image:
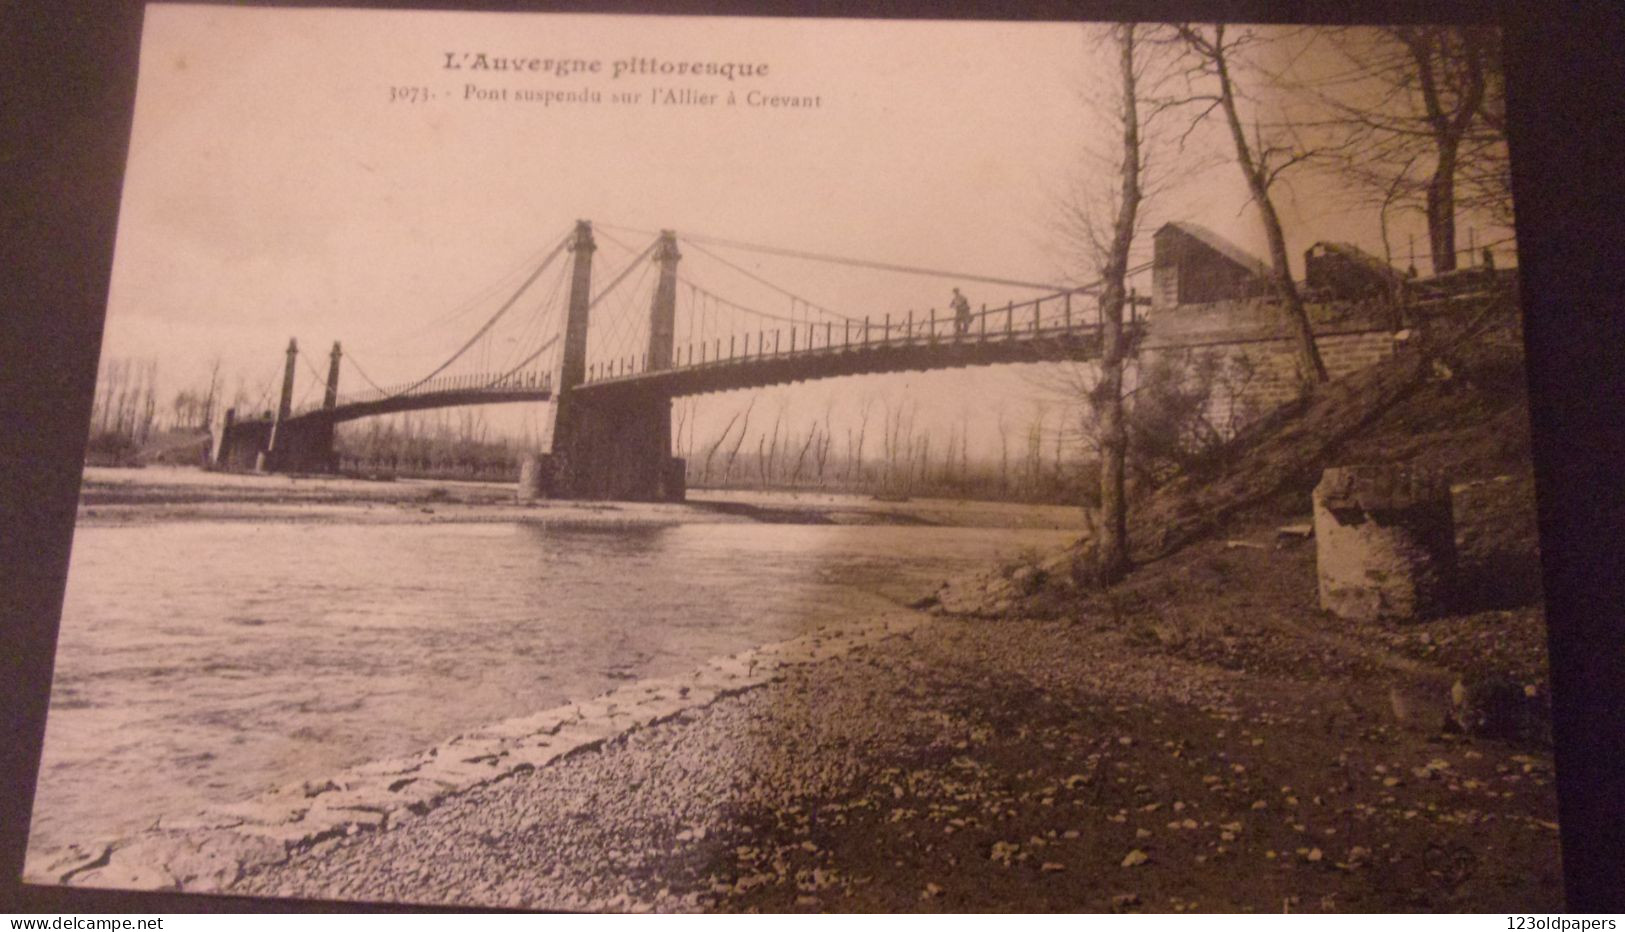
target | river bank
[
  {"x": 1086, "y": 763},
  {"x": 1199, "y": 737},
  {"x": 222, "y": 634},
  {"x": 1183, "y": 743},
  {"x": 112, "y": 496}
]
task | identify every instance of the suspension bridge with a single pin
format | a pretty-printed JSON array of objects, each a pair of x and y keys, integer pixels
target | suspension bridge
[{"x": 612, "y": 359}]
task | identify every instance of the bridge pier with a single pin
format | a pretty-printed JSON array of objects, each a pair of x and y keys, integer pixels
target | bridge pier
[
  {"x": 287, "y": 444},
  {"x": 619, "y": 449},
  {"x": 242, "y": 441},
  {"x": 616, "y": 442},
  {"x": 304, "y": 445}
]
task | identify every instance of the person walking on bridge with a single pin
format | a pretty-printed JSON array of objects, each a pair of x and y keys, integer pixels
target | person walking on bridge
[{"x": 961, "y": 313}]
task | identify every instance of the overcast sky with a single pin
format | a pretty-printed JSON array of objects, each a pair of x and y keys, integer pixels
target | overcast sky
[{"x": 274, "y": 190}]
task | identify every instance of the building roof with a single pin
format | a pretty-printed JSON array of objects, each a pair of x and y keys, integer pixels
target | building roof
[
  {"x": 1357, "y": 255},
  {"x": 1219, "y": 245}
]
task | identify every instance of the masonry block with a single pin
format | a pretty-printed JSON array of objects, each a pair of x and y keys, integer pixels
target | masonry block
[{"x": 1385, "y": 543}]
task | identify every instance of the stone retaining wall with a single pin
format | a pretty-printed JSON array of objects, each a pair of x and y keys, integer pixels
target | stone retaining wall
[{"x": 1259, "y": 368}]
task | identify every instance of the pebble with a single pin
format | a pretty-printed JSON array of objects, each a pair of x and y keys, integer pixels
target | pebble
[{"x": 1135, "y": 858}]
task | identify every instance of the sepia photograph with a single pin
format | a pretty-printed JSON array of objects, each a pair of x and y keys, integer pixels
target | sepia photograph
[{"x": 625, "y": 463}]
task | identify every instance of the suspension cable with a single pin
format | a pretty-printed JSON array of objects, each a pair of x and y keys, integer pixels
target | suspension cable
[
  {"x": 759, "y": 279},
  {"x": 619, "y": 327},
  {"x": 464, "y": 307},
  {"x": 697, "y": 238},
  {"x": 524, "y": 362},
  {"x": 539, "y": 322},
  {"x": 869, "y": 264},
  {"x": 734, "y": 304},
  {"x": 350, "y": 358},
  {"x": 512, "y": 300},
  {"x": 305, "y": 358},
  {"x": 622, "y": 276}
]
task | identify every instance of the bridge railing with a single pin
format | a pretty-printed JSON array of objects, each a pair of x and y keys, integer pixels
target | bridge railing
[
  {"x": 484, "y": 382},
  {"x": 1052, "y": 316}
]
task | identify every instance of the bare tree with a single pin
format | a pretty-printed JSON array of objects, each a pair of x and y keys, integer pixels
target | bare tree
[
  {"x": 1102, "y": 226},
  {"x": 693, "y": 422},
  {"x": 849, "y": 446},
  {"x": 125, "y": 407},
  {"x": 1004, "y": 453},
  {"x": 1033, "y": 465},
  {"x": 1261, "y": 162},
  {"x": 801, "y": 456},
  {"x": 772, "y": 449},
  {"x": 148, "y": 404},
  {"x": 1057, "y": 476},
  {"x": 925, "y": 460},
  {"x": 1418, "y": 117},
  {"x": 680, "y": 413},
  {"x": 897, "y": 445},
  {"x": 964, "y": 446},
  {"x": 212, "y": 395},
  {"x": 733, "y": 454},
  {"x": 705, "y": 474},
  {"x": 854, "y": 467},
  {"x": 184, "y": 409},
  {"x": 821, "y": 451}
]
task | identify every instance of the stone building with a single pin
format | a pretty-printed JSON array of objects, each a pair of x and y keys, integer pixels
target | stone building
[
  {"x": 1341, "y": 271},
  {"x": 1194, "y": 265},
  {"x": 1215, "y": 314}
]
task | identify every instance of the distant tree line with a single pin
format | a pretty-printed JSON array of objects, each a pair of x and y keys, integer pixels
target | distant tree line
[
  {"x": 445, "y": 444},
  {"x": 1177, "y": 415},
  {"x": 127, "y": 417},
  {"x": 881, "y": 451},
  {"x": 124, "y": 411}
]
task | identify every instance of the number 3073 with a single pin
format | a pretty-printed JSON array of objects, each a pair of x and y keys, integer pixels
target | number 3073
[{"x": 409, "y": 95}]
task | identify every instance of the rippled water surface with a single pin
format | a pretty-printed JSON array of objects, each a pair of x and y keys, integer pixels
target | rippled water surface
[{"x": 209, "y": 660}]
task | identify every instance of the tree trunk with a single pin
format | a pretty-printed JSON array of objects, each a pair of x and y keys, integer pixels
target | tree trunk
[
  {"x": 1111, "y": 540},
  {"x": 1449, "y": 126},
  {"x": 1441, "y": 210},
  {"x": 1310, "y": 367}
]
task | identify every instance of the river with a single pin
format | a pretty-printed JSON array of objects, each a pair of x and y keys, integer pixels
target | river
[{"x": 207, "y": 660}]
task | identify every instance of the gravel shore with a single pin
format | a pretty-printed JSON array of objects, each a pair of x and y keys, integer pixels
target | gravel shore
[{"x": 1223, "y": 752}]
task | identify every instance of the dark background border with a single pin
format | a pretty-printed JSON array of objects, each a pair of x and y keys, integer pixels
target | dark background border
[{"x": 67, "y": 88}]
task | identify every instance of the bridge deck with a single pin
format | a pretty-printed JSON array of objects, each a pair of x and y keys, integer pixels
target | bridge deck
[
  {"x": 444, "y": 398},
  {"x": 1043, "y": 344}
]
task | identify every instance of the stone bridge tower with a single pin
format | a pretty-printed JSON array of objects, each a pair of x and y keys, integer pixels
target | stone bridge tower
[{"x": 615, "y": 443}]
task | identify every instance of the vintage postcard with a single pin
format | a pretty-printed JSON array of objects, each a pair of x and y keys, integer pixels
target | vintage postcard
[{"x": 616, "y": 463}]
